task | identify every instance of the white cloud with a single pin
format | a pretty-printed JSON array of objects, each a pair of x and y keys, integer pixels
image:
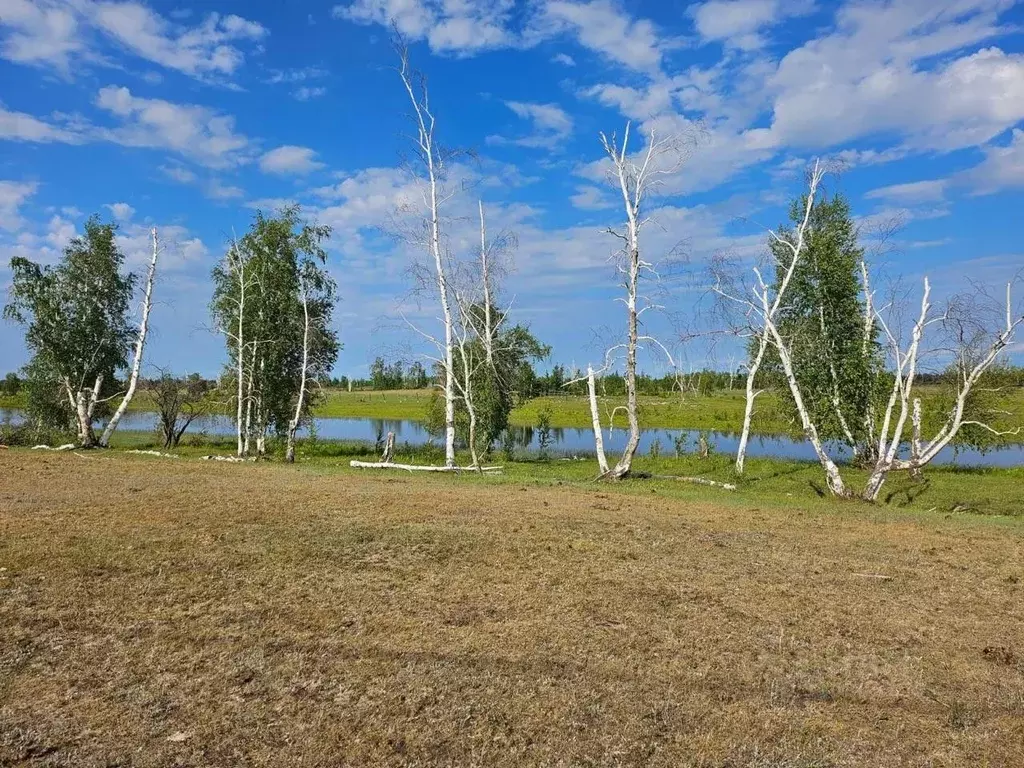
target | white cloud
[
  {"x": 204, "y": 49},
  {"x": 180, "y": 248},
  {"x": 739, "y": 23},
  {"x": 602, "y": 27},
  {"x": 305, "y": 92},
  {"x": 635, "y": 103},
  {"x": 589, "y": 198},
  {"x": 59, "y": 232},
  {"x": 290, "y": 160},
  {"x": 552, "y": 125},
  {"x": 121, "y": 211},
  {"x": 1002, "y": 168},
  {"x": 39, "y": 32},
  {"x": 300, "y": 75},
  {"x": 449, "y": 26},
  {"x": 875, "y": 76},
  {"x": 179, "y": 174},
  {"x": 12, "y": 195},
  {"x": 19, "y": 126},
  {"x": 564, "y": 59},
  {"x": 196, "y": 132},
  {"x": 912, "y": 192},
  {"x": 55, "y": 33},
  {"x": 217, "y": 190}
]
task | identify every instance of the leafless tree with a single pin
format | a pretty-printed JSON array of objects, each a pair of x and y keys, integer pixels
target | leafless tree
[
  {"x": 635, "y": 177},
  {"x": 140, "y": 346},
  {"x": 975, "y": 329},
  {"x": 431, "y": 161},
  {"x": 759, "y": 309},
  {"x": 179, "y": 402}
]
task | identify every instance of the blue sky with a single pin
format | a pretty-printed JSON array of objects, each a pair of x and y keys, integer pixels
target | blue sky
[{"x": 189, "y": 117}]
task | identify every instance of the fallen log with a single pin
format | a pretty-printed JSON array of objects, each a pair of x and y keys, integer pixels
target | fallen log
[
  {"x": 697, "y": 481},
  {"x": 155, "y": 453},
  {"x": 420, "y": 467}
]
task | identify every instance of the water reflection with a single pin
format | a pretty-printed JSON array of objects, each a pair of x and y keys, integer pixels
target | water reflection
[{"x": 568, "y": 441}]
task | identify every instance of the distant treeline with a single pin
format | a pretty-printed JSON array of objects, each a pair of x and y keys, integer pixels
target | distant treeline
[{"x": 399, "y": 375}]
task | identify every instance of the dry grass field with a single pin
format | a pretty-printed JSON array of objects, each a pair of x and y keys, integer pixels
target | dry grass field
[{"x": 180, "y": 613}]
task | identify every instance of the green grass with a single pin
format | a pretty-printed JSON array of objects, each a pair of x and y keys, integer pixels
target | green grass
[
  {"x": 778, "y": 483},
  {"x": 720, "y": 411}
]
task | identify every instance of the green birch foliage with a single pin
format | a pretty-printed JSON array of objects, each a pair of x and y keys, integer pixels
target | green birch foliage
[
  {"x": 281, "y": 255},
  {"x": 76, "y": 318},
  {"x": 822, "y": 320}
]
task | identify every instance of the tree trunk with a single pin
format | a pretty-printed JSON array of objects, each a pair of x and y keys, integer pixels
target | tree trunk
[
  {"x": 622, "y": 468},
  {"x": 595, "y": 416},
  {"x": 240, "y": 344},
  {"x": 140, "y": 344},
  {"x": 85, "y": 407},
  {"x": 915, "y": 440},
  {"x": 833, "y": 478},
  {"x": 293, "y": 425},
  {"x": 748, "y": 410}
]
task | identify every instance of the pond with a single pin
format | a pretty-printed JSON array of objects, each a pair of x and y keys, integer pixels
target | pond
[{"x": 568, "y": 441}]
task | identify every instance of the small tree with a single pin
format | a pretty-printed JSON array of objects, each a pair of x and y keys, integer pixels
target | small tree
[
  {"x": 822, "y": 321},
  {"x": 11, "y": 384},
  {"x": 258, "y": 306},
  {"x": 76, "y": 320},
  {"x": 179, "y": 401}
]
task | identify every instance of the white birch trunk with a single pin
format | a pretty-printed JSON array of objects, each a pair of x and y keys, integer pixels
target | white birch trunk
[
  {"x": 85, "y": 408},
  {"x": 486, "y": 278},
  {"x": 748, "y": 409},
  {"x": 832, "y": 476},
  {"x": 293, "y": 425},
  {"x": 140, "y": 345},
  {"x": 595, "y": 416},
  {"x": 425, "y": 140},
  {"x": 240, "y": 345}
]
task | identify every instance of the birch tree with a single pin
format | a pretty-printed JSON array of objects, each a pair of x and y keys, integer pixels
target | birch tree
[
  {"x": 763, "y": 305},
  {"x": 320, "y": 347},
  {"x": 634, "y": 178},
  {"x": 76, "y": 321},
  {"x": 430, "y": 166},
  {"x": 258, "y": 308},
  {"x": 976, "y": 330},
  {"x": 140, "y": 345}
]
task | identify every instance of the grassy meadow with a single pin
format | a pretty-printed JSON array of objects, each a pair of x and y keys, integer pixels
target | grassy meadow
[
  {"x": 165, "y": 612},
  {"x": 720, "y": 411}
]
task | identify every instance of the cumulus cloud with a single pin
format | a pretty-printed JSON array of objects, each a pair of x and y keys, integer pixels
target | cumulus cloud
[
  {"x": 290, "y": 159},
  {"x": 56, "y": 33},
  {"x": 12, "y": 195},
  {"x": 912, "y": 192},
  {"x": 196, "y": 132},
  {"x": 552, "y": 125},
  {"x": 121, "y": 211},
  {"x": 448, "y": 27},
  {"x": 1002, "y": 168},
  {"x": 605, "y": 29},
  {"x": 19, "y": 126},
  {"x": 740, "y": 23}
]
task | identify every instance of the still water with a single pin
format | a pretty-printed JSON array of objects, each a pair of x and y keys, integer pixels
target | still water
[{"x": 566, "y": 441}]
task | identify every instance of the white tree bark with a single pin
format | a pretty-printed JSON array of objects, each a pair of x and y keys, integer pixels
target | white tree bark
[
  {"x": 634, "y": 182},
  {"x": 595, "y": 416},
  {"x": 485, "y": 273},
  {"x": 300, "y": 404},
  {"x": 431, "y": 158},
  {"x": 891, "y": 433},
  {"x": 140, "y": 345},
  {"x": 752, "y": 394}
]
